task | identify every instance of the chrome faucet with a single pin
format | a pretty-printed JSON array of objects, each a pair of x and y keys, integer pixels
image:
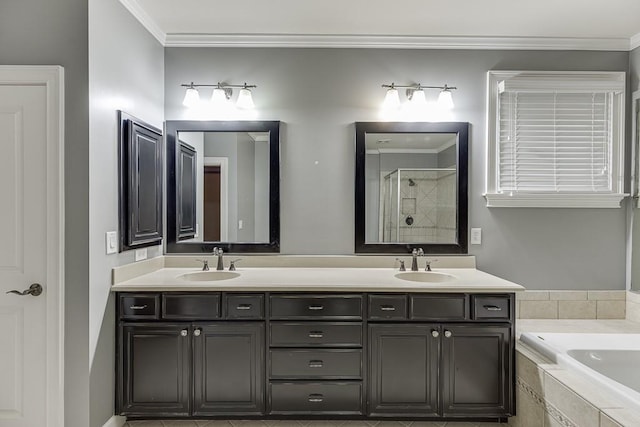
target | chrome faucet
[
  {"x": 218, "y": 252},
  {"x": 402, "y": 267},
  {"x": 427, "y": 267},
  {"x": 414, "y": 262}
]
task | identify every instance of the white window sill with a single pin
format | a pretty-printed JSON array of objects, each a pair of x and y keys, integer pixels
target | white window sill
[{"x": 532, "y": 200}]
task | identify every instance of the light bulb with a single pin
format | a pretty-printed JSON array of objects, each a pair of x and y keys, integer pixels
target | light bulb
[
  {"x": 219, "y": 97},
  {"x": 418, "y": 99},
  {"x": 445, "y": 100},
  {"x": 191, "y": 97},
  {"x": 391, "y": 99},
  {"x": 245, "y": 100}
]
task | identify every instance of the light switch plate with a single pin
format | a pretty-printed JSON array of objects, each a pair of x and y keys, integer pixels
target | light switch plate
[
  {"x": 476, "y": 236},
  {"x": 240, "y": 224},
  {"x": 141, "y": 254},
  {"x": 112, "y": 242}
]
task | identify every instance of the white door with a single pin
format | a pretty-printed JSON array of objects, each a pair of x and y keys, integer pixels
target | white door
[{"x": 31, "y": 250}]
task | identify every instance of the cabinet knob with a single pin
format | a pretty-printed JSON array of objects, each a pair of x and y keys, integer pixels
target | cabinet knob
[
  {"x": 184, "y": 333},
  {"x": 197, "y": 332},
  {"x": 435, "y": 334},
  {"x": 447, "y": 334}
]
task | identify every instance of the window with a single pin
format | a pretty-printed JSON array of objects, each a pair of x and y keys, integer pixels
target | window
[{"x": 555, "y": 139}]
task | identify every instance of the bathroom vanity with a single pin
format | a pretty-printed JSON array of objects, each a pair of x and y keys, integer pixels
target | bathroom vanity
[{"x": 363, "y": 344}]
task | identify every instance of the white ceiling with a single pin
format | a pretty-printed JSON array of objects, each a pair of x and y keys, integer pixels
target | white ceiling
[{"x": 602, "y": 24}]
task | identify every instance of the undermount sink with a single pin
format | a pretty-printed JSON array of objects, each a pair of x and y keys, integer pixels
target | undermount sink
[
  {"x": 426, "y": 276},
  {"x": 209, "y": 276}
]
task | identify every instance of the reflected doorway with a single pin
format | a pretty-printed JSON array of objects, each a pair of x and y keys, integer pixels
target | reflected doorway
[{"x": 211, "y": 221}]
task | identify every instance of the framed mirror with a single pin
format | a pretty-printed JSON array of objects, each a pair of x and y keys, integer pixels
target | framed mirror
[
  {"x": 223, "y": 186},
  {"x": 411, "y": 187}
]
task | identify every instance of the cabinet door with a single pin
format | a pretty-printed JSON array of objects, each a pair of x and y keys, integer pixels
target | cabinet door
[
  {"x": 477, "y": 370},
  {"x": 403, "y": 370},
  {"x": 141, "y": 162},
  {"x": 154, "y": 369},
  {"x": 228, "y": 369},
  {"x": 186, "y": 192}
]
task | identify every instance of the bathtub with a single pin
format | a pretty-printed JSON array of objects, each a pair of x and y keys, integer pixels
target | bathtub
[{"x": 611, "y": 360}]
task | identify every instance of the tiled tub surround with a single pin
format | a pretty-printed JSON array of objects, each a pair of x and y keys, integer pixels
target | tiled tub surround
[
  {"x": 547, "y": 395},
  {"x": 574, "y": 304}
]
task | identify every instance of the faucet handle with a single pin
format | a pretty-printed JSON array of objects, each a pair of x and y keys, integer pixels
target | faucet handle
[
  {"x": 232, "y": 264},
  {"x": 402, "y": 267},
  {"x": 217, "y": 251},
  {"x": 205, "y": 264},
  {"x": 428, "y": 265}
]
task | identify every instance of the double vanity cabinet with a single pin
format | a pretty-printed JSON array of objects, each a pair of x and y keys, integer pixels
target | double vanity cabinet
[{"x": 315, "y": 355}]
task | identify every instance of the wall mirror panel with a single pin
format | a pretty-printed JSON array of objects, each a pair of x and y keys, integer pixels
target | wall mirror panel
[
  {"x": 223, "y": 186},
  {"x": 411, "y": 187}
]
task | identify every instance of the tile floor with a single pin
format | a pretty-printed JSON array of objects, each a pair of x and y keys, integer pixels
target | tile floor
[{"x": 276, "y": 423}]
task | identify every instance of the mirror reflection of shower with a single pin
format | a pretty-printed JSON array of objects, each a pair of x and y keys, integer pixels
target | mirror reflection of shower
[{"x": 418, "y": 205}]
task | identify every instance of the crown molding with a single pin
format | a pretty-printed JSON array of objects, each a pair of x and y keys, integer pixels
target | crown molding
[
  {"x": 147, "y": 22},
  {"x": 635, "y": 42},
  {"x": 394, "y": 42}
]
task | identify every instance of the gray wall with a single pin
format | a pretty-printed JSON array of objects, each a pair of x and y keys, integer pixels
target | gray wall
[
  {"x": 44, "y": 32},
  {"x": 224, "y": 144},
  {"x": 320, "y": 93},
  {"x": 634, "y": 68},
  {"x": 246, "y": 187},
  {"x": 125, "y": 72}
]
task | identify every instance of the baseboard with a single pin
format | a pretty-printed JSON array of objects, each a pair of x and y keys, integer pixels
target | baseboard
[{"x": 115, "y": 421}]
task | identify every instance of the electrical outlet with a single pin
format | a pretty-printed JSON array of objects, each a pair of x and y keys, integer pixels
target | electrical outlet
[
  {"x": 112, "y": 242},
  {"x": 476, "y": 236},
  {"x": 240, "y": 224},
  {"x": 141, "y": 254}
]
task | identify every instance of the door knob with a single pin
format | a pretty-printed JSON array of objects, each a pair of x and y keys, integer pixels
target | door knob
[{"x": 34, "y": 290}]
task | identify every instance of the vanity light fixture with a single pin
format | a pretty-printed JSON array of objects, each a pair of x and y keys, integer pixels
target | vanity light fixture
[
  {"x": 416, "y": 95},
  {"x": 221, "y": 95}
]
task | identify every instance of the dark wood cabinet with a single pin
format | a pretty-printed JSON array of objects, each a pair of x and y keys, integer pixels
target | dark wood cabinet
[
  {"x": 186, "y": 191},
  {"x": 310, "y": 355},
  {"x": 477, "y": 370},
  {"x": 154, "y": 369},
  {"x": 228, "y": 369},
  {"x": 403, "y": 370},
  {"x": 140, "y": 190}
]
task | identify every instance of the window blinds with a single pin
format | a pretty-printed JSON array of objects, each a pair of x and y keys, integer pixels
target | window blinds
[{"x": 554, "y": 140}]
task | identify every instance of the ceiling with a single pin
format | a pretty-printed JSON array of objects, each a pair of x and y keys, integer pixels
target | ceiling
[{"x": 610, "y": 24}]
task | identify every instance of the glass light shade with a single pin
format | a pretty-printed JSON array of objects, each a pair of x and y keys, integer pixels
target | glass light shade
[
  {"x": 245, "y": 100},
  {"x": 191, "y": 97},
  {"x": 391, "y": 100},
  {"x": 418, "y": 99},
  {"x": 445, "y": 100},
  {"x": 219, "y": 97}
]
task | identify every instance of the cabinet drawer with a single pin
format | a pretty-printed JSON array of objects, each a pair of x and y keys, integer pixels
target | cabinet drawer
[
  {"x": 439, "y": 307},
  {"x": 326, "y": 397},
  {"x": 491, "y": 307},
  {"x": 316, "y": 307},
  {"x": 191, "y": 306},
  {"x": 316, "y": 334},
  {"x": 246, "y": 306},
  {"x": 325, "y": 364},
  {"x": 387, "y": 307},
  {"x": 140, "y": 306}
]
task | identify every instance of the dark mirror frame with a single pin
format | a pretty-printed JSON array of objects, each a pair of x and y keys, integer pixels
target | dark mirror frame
[
  {"x": 462, "y": 131},
  {"x": 172, "y": 128}
]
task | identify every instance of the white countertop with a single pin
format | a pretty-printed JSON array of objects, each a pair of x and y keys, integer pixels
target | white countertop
[{"x": 295, "y": 279}]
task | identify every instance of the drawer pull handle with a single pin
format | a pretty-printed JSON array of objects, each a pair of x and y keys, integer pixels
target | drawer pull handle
[
  {"x": 243, "y": 307},
  {"x": 492, "y": 308},
  {"x": 316, "y": 398},
  {"x": 316, "y": 334},
  {"x": 138, "y": 307},
  {"x": 316, "y": 363},
  {"x": 316, "y": 307},
  {"x": 387, "y": 308}
]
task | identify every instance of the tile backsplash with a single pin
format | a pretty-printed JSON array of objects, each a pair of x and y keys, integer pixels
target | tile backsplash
[{"x": 573, "y": 305}]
